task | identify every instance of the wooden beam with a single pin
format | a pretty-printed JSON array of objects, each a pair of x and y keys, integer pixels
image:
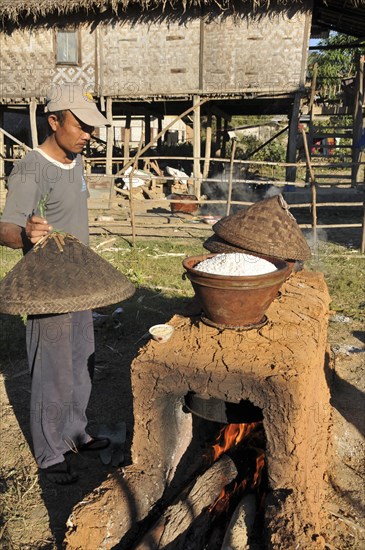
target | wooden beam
[
  {"x": 109, "y": 137},
  {"x": 208, "y": 145},
  {"x": 225, "y": 138},
  {"x": 196, "y": 145},
  {"x": 358, "y": 121},
  {"x": 230, "y": 182},
  {"x": 218, "y": 134},
  {"x": 33, "y": 121},
  {"x": 147, "y": 129},
  {"x": 137, "y": 109},
  {"x": 291, "y": 152},
  {"x": 2, "y": 162},
  {"x": 127, "y": 138},
  {"x": 159, "y": 130},
  {"x": 219, "y": 113}
]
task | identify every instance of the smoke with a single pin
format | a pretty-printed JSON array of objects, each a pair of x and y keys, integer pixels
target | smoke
[
  {"x": 272, "y": 192},
  {"x": 317, "y": 246},
  {"x": 216, "y": 188}
]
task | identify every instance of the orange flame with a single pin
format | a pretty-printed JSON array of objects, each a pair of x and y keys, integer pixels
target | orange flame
[
  {"x": 230, "y": 436},
  {"x": 260, "y": 463}
]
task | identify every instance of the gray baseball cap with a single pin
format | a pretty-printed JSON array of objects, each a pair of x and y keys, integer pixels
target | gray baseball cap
[{"x": 74, "y": 98}]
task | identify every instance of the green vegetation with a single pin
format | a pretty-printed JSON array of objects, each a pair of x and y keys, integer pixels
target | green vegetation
[
  {"x": 333, "y": 65},
  {"x": 345, "y": 276},
  {"x": 155, "y": 268}
]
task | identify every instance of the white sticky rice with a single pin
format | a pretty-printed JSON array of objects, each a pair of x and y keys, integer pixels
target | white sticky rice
[{"x": 235, "y": 264}]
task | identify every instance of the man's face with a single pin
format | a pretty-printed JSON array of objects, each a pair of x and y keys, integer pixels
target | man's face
[{"x": 72, "y": 135}]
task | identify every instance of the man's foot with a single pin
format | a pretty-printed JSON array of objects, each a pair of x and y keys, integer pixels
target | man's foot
[
  {"x": 60, "y": 473},
  {"x": 95, "y": 444}
]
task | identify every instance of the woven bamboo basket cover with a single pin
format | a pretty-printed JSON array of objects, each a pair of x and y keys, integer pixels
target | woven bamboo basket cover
[
  {"x": 60, "y": 275},
  {"x": 216, "y": 244},
  {"x": 266, "y": 227}
]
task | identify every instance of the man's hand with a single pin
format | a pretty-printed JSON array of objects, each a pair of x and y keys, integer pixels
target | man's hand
[{"x": 37, "y": 228}]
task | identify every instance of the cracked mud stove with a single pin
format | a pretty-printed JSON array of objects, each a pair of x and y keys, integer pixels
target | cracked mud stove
[{"x": 206, "y": 378}]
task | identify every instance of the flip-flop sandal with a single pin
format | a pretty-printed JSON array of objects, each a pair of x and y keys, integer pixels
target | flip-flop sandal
[
  {"x": 60, "y": 473},
  {"x": 117, "y": 434}
]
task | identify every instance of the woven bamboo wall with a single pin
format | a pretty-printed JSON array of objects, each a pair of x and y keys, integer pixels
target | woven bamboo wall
[
  {"x": 224, "y": 56},
  {"x": 28, "y": 64}
]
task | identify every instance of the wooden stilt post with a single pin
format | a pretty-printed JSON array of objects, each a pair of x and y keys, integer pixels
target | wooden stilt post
[
  {"x": 109, "y": 137},
  {"x": 2, "y": 162},
  {"x": 127, "y": 138},
  {"x": 225, "y": 138},
  {"x": 291, "y": 171},
  {"x": 208, "y": 145},
  {"x": 218, "y": 136},
  {"x": 358, "y": 122},
  {"x": 159, "y": 130},
  {"x": 196, "y": 145},
  {"x": 147, "y": 129},
  {"x": 33, "y": 121},
  {"x": 363, "y": 234},
  {"x": 230, "y": 183},
  {"x": 131, "y": 195}
]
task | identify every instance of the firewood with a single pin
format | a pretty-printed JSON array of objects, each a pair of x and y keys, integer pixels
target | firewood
[
  {"x": 241, "y": 524},
  {"x": 187, "y": 507}
]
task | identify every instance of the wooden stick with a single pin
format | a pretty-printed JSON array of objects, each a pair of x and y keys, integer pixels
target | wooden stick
[
  {"x": 176, "y": 519},
  {"x": 127, "y": 136},
  {"x": 25, "y": 147},
  {"x": 241, "y": 524},
  {"x": 230, "y": 182},
  {"x": 313, "y": 188},
  {"x": 208, "y": 146},
  {"x": 33, "y": 121},
  {"x": 131, "y": 197},
  {"x": 363, "y": 234},
  {"x": 109, "y": 137},
  {"x": 196, "y": 145}
]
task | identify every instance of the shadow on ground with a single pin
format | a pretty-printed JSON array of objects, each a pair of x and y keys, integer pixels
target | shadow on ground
[{"x": 118, "y": 339}]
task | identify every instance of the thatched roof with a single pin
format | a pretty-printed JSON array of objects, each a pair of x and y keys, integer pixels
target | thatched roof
[
  {"x": 16, "y": 9},
  {"x": 347, "y": 17}
]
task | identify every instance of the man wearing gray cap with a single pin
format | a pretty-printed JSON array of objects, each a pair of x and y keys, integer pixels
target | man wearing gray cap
[{"x": 58, "y": 346}]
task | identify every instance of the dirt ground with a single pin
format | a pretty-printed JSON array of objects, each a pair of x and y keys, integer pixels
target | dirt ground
[{"x": 35, "y": 512}]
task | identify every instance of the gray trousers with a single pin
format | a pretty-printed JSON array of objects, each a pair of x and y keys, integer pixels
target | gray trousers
[{"x": 58, "y": 348}]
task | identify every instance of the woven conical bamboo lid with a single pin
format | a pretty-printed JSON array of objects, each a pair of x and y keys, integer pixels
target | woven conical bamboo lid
[
  {"x": 216, "y": 244},
  {"x": 266, "y": 227},
  {"x": 60, "y": 275}
]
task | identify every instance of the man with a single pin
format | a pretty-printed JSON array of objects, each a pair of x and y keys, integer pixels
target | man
[{"x": 58, "y": 346}]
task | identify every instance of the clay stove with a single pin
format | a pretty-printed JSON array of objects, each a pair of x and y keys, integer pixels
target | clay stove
[{"x": 279, "y": 368}]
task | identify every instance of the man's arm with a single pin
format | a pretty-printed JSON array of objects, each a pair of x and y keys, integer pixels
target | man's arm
[
  {"x": 15, "y": 236},
  {"x": 11, "y": 235}
]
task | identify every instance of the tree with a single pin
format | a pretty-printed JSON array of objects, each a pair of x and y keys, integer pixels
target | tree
[{"x": 334, "y": 64}]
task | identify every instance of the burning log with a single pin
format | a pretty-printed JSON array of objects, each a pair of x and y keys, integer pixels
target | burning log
[
  {"x": 177, "y": 518},
  {"x": 241, "y": 524}
]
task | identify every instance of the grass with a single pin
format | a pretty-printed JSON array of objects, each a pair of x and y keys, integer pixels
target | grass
[
  {"x": 156, "y": 265},
  {"x": 344, "y": 271}
]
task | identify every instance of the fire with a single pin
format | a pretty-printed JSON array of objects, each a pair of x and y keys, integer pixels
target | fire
[
  {"x": 230, "y": 436},
  {"x": 260, "y": 463}
]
